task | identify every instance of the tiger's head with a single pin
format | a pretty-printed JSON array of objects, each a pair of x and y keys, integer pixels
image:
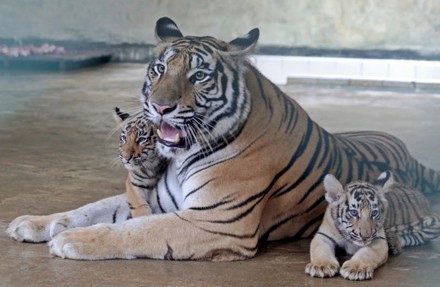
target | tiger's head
[
  {"x": 194, "y": 89},
  {"x": 358, "y": 209},
  {"x": 137, "y": 142}
]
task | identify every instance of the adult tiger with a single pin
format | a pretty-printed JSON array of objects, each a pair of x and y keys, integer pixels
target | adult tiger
[{"x": 249, "y": 160}]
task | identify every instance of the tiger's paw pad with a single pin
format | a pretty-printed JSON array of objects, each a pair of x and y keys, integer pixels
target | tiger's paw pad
[
  {"x": 322, "y": 269},
  {"x": 356, "y": 271}
]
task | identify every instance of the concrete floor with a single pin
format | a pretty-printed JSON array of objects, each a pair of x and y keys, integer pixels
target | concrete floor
[{"x": 58, "y": 151}]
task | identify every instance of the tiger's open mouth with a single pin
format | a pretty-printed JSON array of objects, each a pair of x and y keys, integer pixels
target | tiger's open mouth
[{"x": 171, "y": 136}]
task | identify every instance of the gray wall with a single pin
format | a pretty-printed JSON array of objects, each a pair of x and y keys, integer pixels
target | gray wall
[{"x": 335, "y": 24}]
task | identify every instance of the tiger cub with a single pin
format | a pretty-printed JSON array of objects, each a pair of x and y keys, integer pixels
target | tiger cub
[
  {"x": 137, "y": 151},
  {"x": 354, "y": 221},
  {"x": 409, "y": 220}
]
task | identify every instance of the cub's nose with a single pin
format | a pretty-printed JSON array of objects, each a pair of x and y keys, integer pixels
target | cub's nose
[{"x": 163, "y": 109}]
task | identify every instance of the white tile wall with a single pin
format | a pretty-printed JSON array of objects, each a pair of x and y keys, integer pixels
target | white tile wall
[
  {"x": 427, "y": 72},
  {"x": 402, "y": 70},
  {"x": 279, "y": 69},
  {"x": 374, "y": 69}
]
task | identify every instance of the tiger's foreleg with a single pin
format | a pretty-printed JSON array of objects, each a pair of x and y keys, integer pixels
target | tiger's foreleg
[
  {"x": 29, "y": 228},
  {"x": 322, "y": 256},
  {"x": 136, "y": 199},
  {"x": 363, "y": 263},
  {"x": 161, "y": 236}
]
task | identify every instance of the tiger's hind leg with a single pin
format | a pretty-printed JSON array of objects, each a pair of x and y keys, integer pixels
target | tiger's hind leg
[
  {"x": 393, "y": 240},
  {"x": 30, "y": 228}
]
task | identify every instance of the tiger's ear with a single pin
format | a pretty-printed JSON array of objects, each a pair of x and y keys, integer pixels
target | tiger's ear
[
  {"x": 384, "y": 181},
  {"x": 334, "y": 191},
  {"x": 166, "y": 30},
  {"x": 119, "y": 115},
  {"x": 244, "y": 44}
]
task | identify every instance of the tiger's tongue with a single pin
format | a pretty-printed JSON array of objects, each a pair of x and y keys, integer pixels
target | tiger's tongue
[{"x": 170, "y": 133}]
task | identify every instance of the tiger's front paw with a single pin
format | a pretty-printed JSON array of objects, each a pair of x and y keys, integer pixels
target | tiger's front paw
[
  {"x": 354, "y": 270},
  {"x": 29, "y": 228},
  {"x": 322, "y": 268},
  {"x": 87, "y": 243}
]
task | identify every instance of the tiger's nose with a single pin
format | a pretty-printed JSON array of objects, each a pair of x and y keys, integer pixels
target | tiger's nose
[{"x": 163, "y": 109}]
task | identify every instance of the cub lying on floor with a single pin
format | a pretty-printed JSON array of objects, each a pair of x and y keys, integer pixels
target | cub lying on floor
[{"x": 354, "y": 221}]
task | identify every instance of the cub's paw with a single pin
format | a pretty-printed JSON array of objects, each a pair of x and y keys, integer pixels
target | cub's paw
[
  {"x": 28, "y": 228},
  {"x": 322, "y": 268},
  {"x": 353, "y": 270},
  {"x": 87, "y": 243}
]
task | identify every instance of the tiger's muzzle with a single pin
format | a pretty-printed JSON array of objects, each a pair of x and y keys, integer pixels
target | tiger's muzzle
[{"x": 171, "y": 136}]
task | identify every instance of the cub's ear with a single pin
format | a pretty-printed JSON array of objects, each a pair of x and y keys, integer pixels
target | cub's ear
[
  {"x": 166, "y": 30},
  {"x": 384, "y": 181},
  {"x": 245, "y": 44},
  {"x": 334, "y": 191},
  {"x": 119, "y": 115}
]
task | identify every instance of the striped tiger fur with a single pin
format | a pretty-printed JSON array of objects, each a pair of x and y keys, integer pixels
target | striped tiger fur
[
  {"x": 409, "y": 220},
  {"x": 147, "y": 169},
  {"x": 354, "y": 220},
  {"x": 248, "y": 159}
]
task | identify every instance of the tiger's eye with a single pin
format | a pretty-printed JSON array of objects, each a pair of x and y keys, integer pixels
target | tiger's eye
[
  {"x": 374, "y": 213},
  {"x": 199, "y": 75},
  {"x": 159, "y": 68}
]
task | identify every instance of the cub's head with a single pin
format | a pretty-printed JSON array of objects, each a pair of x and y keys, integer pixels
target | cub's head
[
  {"x": 358, "y": 209},
  {"x": 194, "y": 90},
  {"x": 137, "y": 143}
]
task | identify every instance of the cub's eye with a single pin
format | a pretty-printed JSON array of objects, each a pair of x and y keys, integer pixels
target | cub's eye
[
  {"x": 374, "y": 213},
  {"x": 143, "y": 139},
  {"x": 159, "y": 69},
  {"x": 198, "y": 77},
  {"x": 354, "y": 213}
]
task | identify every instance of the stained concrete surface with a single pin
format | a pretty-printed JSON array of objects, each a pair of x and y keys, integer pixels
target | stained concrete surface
[{"x": 58, "y": 151}]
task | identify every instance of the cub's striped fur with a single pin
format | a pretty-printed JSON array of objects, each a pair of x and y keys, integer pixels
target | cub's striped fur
[
  {"x": 248, "y": 162},
  {"x": 137, "y": 151},
  {"x": 354, "y": 221},
  {"x": 151, "y": 185}
]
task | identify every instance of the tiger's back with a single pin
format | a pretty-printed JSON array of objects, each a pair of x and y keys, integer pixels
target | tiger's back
[{"x": 309, "y": 152}]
